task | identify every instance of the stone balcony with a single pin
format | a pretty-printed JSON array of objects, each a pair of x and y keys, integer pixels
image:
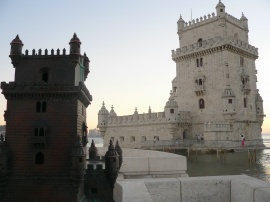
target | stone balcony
[{"x": 200, "y": 90}]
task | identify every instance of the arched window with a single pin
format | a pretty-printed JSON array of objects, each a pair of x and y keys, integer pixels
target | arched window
[
  {"x": 39, "y": 158},
  {"x": 201, "y": 104},
  {"x": 45, "y": 77},
  {"x": 200, "y": 42},
  {"x": 245, "y": 102}
]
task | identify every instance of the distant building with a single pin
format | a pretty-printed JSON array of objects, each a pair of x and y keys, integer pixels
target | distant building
[
  {"x": 214, "y": 93},
  {"x": 43, "y": 155}
]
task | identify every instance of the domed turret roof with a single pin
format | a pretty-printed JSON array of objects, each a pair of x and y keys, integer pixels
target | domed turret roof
[
  {"x": 136, "y": 111},
  {"x": 75, "y": 39},
  {"x": 180, "y": 19},
  {"x": 112, "y": 112},
  {"x": 103, "y": 110},
  {"x": 243, "y": 17},
  {"x": 17, "y": 40},
  {"x": 171, "y": 103},
  {"x": 111, "y": 150},
  {"x": 258, "y": 96},
  {"x": 77, "y": 149},
  {"x": 220, "y": 4}
]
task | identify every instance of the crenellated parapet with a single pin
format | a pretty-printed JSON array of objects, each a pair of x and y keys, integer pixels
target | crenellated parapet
[
  {"x": 209, "y": 19},
  {"x": 214, "y": 45}
]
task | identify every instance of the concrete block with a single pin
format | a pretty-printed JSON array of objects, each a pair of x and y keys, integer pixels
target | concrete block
[
  {"x": 262, "y": 195},
  {"x": 210, "y": 189},
  {"x": 167, "y": 165},
  {"x": 164, "y": 190},
  {"x": 131, "y": 191},
  {"x": 135, "y": 166},
  {"x": 242, "y": 190}
]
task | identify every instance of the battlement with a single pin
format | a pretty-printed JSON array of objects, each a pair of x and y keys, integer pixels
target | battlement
[
  {"x": 148, "y": 118},
  {"x": 95, "y": 168},
  {"x": 214, "y": 43},
  {"x": 217, "y": 126},
  {"x": 210, "y": 18},
  {"x": 46, "y": 52}
]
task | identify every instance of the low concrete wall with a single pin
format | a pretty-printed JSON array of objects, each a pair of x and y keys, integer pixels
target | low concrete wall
[
  {"x": 235, "y": 188},
  {"x": 150, "y": 164}
]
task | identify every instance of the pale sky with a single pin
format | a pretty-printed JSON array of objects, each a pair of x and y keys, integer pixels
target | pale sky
[{"x": 128, "y": 42}]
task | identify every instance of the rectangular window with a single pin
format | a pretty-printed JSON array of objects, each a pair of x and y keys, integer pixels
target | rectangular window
[
  {"x": 174, "y": 89},
  {"x": 156, "y": 138},
  {"x": 245, "y": 102},
  {"x": 172, "y": 111},
  {"x": 230, "y": 101},
  {"x": 122, "y": 138},
  {"x": 241, "y": 61},
  {"x": 143, "y": 138},
  {"x": 198, "y": 62},
  {"x": 201, "y": 62},
  {"x": 132, "y": 139}
]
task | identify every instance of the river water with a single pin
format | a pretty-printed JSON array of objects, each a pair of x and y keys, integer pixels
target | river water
[{"x": 236, "y": 163}]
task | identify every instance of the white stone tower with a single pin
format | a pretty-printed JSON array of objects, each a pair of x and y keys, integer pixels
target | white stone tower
[{"x": 216, "y": 77}]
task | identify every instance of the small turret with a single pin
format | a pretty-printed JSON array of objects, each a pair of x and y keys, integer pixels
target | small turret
[
  {"x": 220, "y": 9},
  {"x": 136, "y": 111},
  {"x": 102, "y": 119},
  {"x": 244, "y": 21},
  {"x": 180, "y": 27},
  {"x": 171, "y": 109},
  {"x": 92, "y": 151},
  {"x": 75, "y": 48},
  {"x": 78, "y": 163},
  {"x": 120, "y": 153},
  {"x": 16, "y": 50},
  {"x": 86, "y": 62},
  {"x": 112, "y": 112},
  {"x": 111, "y": 164}
]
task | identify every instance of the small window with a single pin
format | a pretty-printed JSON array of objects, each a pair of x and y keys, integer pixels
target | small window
[
  {"x": 41, "y": 132},
  {"x": 221, "y": 10},
  {"x": 201, "y": 104},
  {"x": 143, "y": 138},
  {"x": 156, "y": 138},
  {"x": 82, "y": 110},
  {"x": 174, "y": 89},
  {"x": 36, "y": 132},
  {"x": 200, "y": 82},
  {"x": 39, "y": 158},
  {"x": 245, "y": 102},
  {"x": 122, "y": 138},
  {"x": 44, "y": 106},
  {"x": 132, "y": 139},
  {"x": 200, "y": 42},
  {"x": 172, "y": 111},
  {"x": 198, "y": 62},
  {"x": 94, "y": 190},
  {"x": 38, "y": 107},
  {"x": 80, "y": 160},
  {"x": 230, "y": 101},
  {"x": 45, "y": 77}
]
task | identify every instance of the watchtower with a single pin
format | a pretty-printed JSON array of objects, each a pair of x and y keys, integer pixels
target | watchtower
[{"x": 45, "y": 116}]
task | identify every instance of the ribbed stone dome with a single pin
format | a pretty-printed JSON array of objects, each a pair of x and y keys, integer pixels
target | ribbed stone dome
[
  {"x": 220, "y": 4},
  {"x": 112, "y": 112},
  {"x": 77, "y": 149},
  {"x": 171, "y": 103},
  {"x": 103, "y": 110}
]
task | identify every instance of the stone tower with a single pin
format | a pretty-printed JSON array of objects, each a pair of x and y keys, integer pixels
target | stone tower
[
  {"x": 216, "y": 77},
  {"x": 46, "y": 112}
]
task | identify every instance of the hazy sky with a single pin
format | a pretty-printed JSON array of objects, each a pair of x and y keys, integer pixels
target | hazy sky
[{"x": 128, "y": 42}]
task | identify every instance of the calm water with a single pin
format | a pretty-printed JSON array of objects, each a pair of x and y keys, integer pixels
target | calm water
[{"x": 236, "y": 163}]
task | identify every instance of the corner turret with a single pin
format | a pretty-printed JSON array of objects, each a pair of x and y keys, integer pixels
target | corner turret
[
  {"x": 244, "y": 21},
  {"x": 171, "y": 109},
  {"x": 112, "y": 112},
  {"x": 92, "y": 151},
  {"x": 102, "y": 119},
  {"x": 86, "y": 62},
  {"x": 111, "y": 164},
  {"x": 120, "y": 153},
  {"x": 75, "y": 48},
  {"x": 16, "y": 50},
  {"x": 220, "y": 9},
  {"x": 180, "y": 26}
]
